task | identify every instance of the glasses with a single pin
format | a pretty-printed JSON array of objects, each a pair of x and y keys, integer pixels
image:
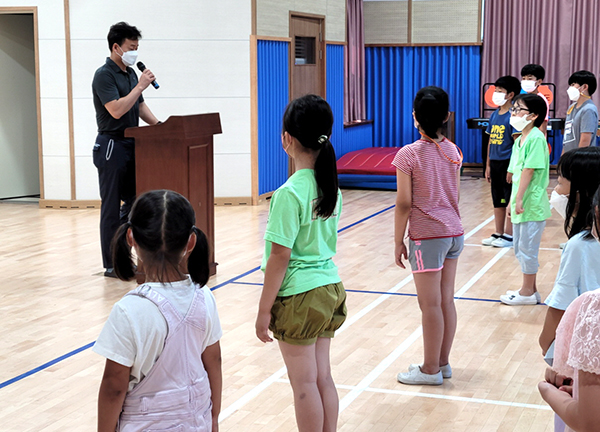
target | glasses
[{"x": 517, "y": 110}]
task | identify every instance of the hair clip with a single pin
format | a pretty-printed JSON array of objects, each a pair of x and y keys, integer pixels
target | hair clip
[{"x": 322, "y": 139}]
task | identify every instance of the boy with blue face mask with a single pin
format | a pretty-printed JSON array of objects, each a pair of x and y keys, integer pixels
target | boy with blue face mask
[
  {"x": 499, "y": 151},
  {"x": 582, "y": 116}
]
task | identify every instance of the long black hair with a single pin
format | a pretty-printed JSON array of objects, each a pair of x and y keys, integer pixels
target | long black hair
[
  {"x": 161, "y": 222},
  {"x": 431, "y": 107},
  {"x": 309, "y": 119},
  {"x": 581, "y": 166},
  {"x": 594, "y": 212}
]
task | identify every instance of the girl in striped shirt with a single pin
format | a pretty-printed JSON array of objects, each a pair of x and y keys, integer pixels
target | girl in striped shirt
[{"x": 428, "y": 175}]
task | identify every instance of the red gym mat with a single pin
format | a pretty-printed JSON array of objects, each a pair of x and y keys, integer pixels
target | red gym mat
[{"x": 374, "y": 160}]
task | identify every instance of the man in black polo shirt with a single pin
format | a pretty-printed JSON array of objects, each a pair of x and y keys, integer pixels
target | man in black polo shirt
[{"x": 119, "y": 105}]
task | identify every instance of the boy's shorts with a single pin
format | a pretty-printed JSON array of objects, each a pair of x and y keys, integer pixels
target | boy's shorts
[
  {"x": 302, "y": 318},
  {"x": 501, "y": 189},
  {"x": 429, "y": 255}
]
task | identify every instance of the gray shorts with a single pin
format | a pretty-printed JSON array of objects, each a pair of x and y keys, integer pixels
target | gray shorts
[{"x": 428, "y": 255}]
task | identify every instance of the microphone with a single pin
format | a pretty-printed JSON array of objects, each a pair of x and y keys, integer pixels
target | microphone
[{"x": 142, "y": 67}]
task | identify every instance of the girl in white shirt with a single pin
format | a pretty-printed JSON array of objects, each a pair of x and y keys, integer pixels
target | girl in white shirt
[{"x": 161, "y": 341}]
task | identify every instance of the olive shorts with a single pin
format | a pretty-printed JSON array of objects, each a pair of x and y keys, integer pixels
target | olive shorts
[{"x": 302, "y": 318}]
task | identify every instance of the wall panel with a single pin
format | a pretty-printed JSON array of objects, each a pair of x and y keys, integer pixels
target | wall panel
[
  {"x": 273, "y": 16},
  {"x": 200, "y": 53},
  {"x": 273, "y": 97}
]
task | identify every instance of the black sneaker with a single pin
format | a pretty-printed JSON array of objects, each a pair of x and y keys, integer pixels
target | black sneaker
[{"x": 110, "y": 272}]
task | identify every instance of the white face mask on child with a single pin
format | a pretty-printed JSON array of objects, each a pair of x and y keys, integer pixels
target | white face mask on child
[
  {"x": 573, "y": 93},
  {"x": 528, "y": 85},
  {"x": 499, "y": 98},
  {"x": 559, "y": 203},
  {"x": 519, "y": 123}
]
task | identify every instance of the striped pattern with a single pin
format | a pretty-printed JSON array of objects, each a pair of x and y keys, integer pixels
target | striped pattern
[
  {"x": 273, "y": 97},
  {"x": 434, "y": 212}
]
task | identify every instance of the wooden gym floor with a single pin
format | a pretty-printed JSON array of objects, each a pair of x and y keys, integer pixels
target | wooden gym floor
[{"x": 54, "y": 301}]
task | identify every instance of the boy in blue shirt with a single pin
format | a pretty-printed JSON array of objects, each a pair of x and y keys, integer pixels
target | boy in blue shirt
[{"x": 499, "y": 151}]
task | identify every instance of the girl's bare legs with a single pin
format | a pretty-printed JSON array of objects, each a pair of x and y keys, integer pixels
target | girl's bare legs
[
  {"x": 448, "y": 308},
  {"x": 329, "y": 395},
  {"x": 429, "y": 295},
  {"x": 301, "y": 364}
]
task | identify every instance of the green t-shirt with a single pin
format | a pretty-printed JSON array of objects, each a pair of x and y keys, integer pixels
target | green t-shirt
[
  {"x": 293, "y": 224},
  {"x": 532, "y": 154}
]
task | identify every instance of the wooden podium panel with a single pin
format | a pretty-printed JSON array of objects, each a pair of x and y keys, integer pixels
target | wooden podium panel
[{"x": 178, "y": 155}]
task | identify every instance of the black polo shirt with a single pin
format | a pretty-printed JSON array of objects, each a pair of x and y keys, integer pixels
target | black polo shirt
[{"x": 111, "y": 83}]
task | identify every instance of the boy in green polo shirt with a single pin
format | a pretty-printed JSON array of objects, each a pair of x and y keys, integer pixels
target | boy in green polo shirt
[{"x": 528, "y": 171}]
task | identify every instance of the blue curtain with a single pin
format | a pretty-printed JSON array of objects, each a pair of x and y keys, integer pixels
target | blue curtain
[
  {"x": 273, "y": 97},
  {"x": 395, "y": 74}
]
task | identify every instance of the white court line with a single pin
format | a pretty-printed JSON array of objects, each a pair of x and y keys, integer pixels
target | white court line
[
  {"x": 482, "y": 246},
  {"x": 478, "y": 227},
  {"x": 277, "y": 375},
  {"x": 366, "y": 382},
  {"x": 438, "y": 396}
]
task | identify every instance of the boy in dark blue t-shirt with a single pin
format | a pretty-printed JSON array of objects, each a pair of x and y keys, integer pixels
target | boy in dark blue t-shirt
[{"x": 499, "y": 152}]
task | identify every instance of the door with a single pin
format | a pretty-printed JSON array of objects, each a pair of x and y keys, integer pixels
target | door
[{"x": 307, "y": 65}]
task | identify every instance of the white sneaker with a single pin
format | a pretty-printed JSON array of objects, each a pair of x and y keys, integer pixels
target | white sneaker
[
  {"x": 416, "y": 377},
  {"x": 538, "y": 297},
  {"x": 516, "y": 299},
  {"x": 446, "y": 370},
  {"x": 490, "y": 240},
  {"x": 502, "y": 242}
]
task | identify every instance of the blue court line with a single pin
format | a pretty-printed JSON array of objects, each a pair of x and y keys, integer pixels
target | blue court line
[
  {"x": 366, "y": 219},
  {"x": 385, "y": 292},
  {"x": 234, "y": 279},
  {"x": 91, "y": 344},
  {"x": 46, "y": 365},
  {"x": 414, "y": 295},
  {"x": 247, "y": 283}
]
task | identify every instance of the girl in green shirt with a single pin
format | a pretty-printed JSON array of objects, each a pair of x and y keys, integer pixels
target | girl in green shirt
[{"x": 303, "y": 301}]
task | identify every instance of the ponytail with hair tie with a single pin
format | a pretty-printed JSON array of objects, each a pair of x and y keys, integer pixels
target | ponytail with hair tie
[
  {"x": 121, "y": 252},
  {"x": 198, "y": 260},
  {"x": 323, "y": 139}
]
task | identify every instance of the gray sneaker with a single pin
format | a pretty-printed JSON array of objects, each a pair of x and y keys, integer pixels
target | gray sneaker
[
  {"x": 416, "y": 377},
  {"x": 446, "y": 370}
]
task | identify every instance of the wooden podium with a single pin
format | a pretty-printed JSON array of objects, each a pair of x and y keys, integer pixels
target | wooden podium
[{"x": 178, "y": 155}]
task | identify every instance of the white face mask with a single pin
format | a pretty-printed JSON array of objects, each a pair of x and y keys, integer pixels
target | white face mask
[
  {"x": 559, "y": 203},
  {"x": 573, "y": 93},
  {"x": 519, "y": 123},
  {"x": 129, "y": 57},
  {"x": 528, "y": 85},
  {"x": 499, "y": 98},
  {"x": 595, "y": 232}
]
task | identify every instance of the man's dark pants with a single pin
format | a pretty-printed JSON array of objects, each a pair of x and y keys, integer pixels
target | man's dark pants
[{"x": 114, "y": 156}]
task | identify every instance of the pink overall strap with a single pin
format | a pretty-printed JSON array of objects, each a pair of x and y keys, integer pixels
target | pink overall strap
[{"x": 171, "y": 315}]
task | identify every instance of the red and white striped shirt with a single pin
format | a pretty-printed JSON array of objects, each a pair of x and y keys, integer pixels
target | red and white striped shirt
[{"x": 434, "y": 212}]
